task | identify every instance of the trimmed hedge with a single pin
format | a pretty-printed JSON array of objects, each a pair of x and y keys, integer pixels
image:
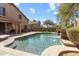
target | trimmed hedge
[{"x": 44, "y": 29}]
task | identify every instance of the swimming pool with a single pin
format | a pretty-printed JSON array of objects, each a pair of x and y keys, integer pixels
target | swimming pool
[{"x": 36, "y": 43}]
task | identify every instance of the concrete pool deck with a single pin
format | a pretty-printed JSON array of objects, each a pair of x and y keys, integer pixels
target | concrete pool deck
[
  {"x": 57, "y": 49},
  {"x": 9, "y": 51},
  {"x": 12, "y": 39},
  {"x": 50, "y": 51}
]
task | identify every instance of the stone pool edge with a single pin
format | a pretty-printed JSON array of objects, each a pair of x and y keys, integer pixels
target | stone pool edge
[{"x": 14, "y": 51}]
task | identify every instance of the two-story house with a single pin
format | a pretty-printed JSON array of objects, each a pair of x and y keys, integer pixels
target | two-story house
[
  {"x": 11, "y": 18},
  {"x": 34, "y": 25}
]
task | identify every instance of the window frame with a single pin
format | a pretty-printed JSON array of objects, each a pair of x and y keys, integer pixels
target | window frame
[
  {"x": 20, "y": 16},
  {"x": 2, "y": 11}
]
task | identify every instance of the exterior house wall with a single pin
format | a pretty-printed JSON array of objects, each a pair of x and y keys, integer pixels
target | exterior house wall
[
  {"x": 12, "y": 13},
  {"x": 78, "y": 23},
  {"x": 34, "y": 25}
]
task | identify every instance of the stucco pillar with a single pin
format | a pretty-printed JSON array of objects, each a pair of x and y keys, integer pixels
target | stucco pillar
[
  {"x": 20, "y": 28},
  {"x": 6, "y": 28},
  {"x": 16, "y": 28}
]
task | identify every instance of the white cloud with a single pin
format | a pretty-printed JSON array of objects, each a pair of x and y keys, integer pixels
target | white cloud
[
  {"x": 36, "y": 19},
  {"x": 56, "y": 12},
  {"x": 32, "y": 10},
  {"x": 52, "y": 7},
  {"x": 44, "y": 19},
  {"x": 17, "y": 4}
]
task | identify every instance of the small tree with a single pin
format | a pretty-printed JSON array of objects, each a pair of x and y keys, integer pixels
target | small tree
[
  {"x": 68, "y": 11},
  {"x": 34, "y": 20},
  {"x": 49, "y": 22}
]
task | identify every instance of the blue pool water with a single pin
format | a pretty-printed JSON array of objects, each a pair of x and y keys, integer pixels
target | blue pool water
[{"x": 36, "y": 43}]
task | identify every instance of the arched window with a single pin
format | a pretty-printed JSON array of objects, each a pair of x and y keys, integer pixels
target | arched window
[{"x": 2, "y": 11}]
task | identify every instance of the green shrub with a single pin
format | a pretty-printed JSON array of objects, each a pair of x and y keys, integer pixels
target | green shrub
[
  {"x": 65, "y": 27},
  {"x": 73, "y": 35}
]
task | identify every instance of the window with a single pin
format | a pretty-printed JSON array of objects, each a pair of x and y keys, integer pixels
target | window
[
  {"x": 2, "y": 11},
  {"x": 20, "y": 16}
]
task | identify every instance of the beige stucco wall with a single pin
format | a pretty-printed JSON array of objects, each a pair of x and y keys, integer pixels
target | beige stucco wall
[
  {"x": 78, "y": 23},
  {"x": 12, "y": 12},
  {"x": 77, "y": 19}
]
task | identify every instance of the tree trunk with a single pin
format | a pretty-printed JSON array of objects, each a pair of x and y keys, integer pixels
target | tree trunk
[{"x": 66, "y": 23}]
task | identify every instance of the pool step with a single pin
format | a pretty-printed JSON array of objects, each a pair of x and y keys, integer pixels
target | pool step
[{"x": 13, "y": 45}]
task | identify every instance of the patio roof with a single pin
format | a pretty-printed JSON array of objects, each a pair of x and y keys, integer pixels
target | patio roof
[{"x": 8, "y": 20}]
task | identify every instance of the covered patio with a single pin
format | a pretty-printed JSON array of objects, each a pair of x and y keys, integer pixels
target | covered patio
[{"x": 8, "y": 25}]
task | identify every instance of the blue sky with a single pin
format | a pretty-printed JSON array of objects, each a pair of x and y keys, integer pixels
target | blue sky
[{"x": 39, "y": 11}]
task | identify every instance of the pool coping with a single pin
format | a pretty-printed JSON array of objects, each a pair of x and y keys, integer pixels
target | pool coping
[
  {"x": 14, "y": 51},
  {"x": 57, "y": 49}
]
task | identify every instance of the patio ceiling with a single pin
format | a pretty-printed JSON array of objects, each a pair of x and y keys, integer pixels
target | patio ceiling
[{"x": 8, "y": 20}]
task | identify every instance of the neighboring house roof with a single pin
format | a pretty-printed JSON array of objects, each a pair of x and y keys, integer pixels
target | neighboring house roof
[
  {"x": 33, "y": 23},
  {"x": 18, "y": 10}
]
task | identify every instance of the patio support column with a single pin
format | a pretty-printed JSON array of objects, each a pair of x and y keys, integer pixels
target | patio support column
[
  {"x": 6, "y": 28},
  {"x": 20, "y": 28},
  {"x": 16, "y": 28}
]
